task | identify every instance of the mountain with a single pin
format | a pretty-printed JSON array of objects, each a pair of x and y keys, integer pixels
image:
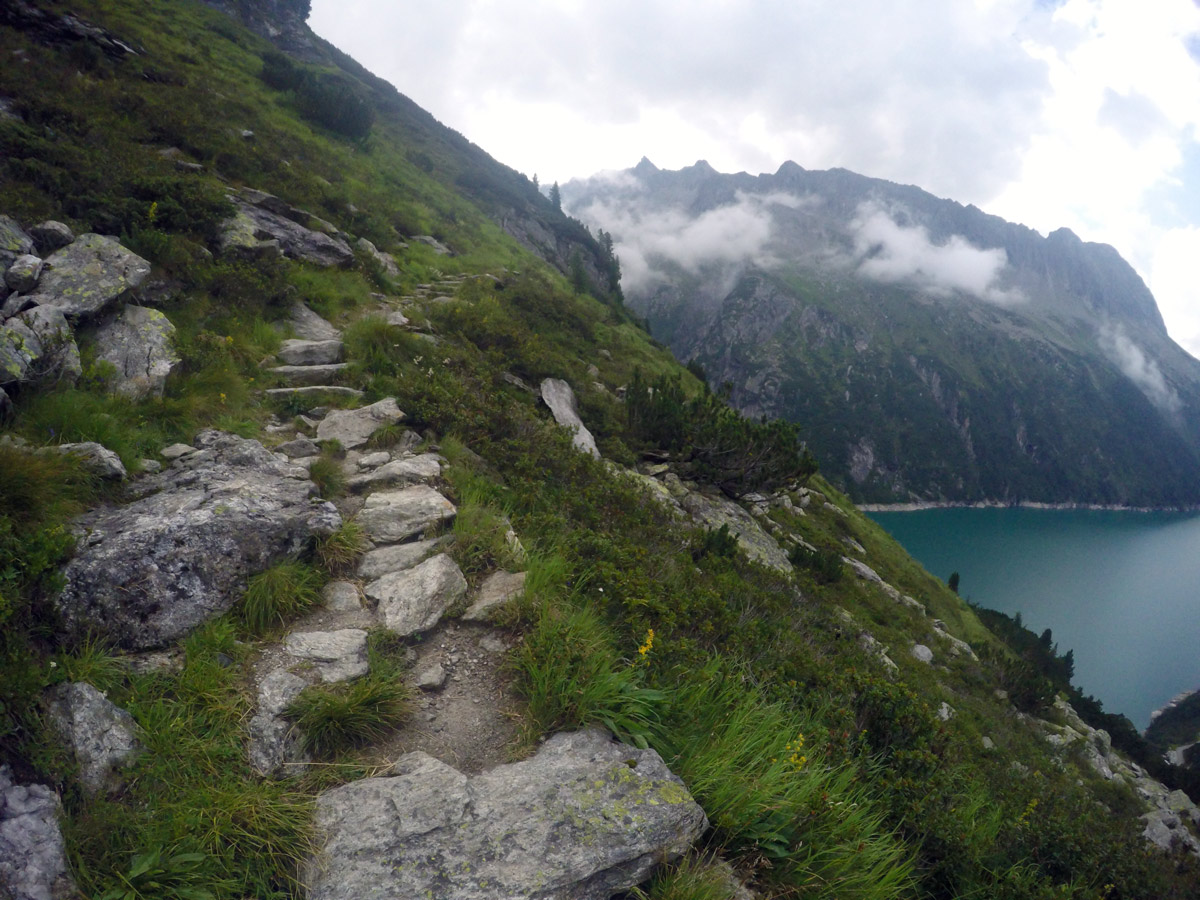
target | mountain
[
  {"x": 343, "y": 554},
  {"x": 929, "y": 351}
]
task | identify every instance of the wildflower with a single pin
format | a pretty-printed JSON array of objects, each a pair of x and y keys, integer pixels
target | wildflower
[
  {"x": 647, "y": 644},
  {"x": 153, "y": 213},
  {"x": 229, "y": 340},
  {"x": 222, "y": 396},
  {"x": 796, "y": 759}
]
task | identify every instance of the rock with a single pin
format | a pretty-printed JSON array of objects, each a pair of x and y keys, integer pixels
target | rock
[
  {"x": 50, "y": 236},
  {"x": 354, "y": 427},
  {"x": 582, "y": 820},
  {"x": 385, "y": 261},
  {"x": 438, "y": 247},
  {"x": 374, "y": 460},
  {"x": 176, "y": 451},
  {"x": 308, "y": 375},
  {"x": 493, "y": 643},
  {"x": 376, "y": 563},
  {"x": 496, "y": 590},
  {"x": 311, "y": 353},
  {"x": 298, "y": 448},
  {"x": 17, "y": 303},
  {"x": 341, "y": 596},
  {"x": 393, "y": 516},
  {"x": 325, "y": 390},
  {"x": 139, "y": 345},
  {"x": 253, "y": 230},
  {"x": 396, "y": 318},
  {"x": 410, "y": 470},
  {"x": 273, "y": 740},
  {"x": 6, "y": 407},
  {"x": 102, "y": 737},
  {"x": 558, "y": 395},
  {"x": 88, "y": 276},
  {"x": 33, "y": 858},
  {"x": 945, "y": 712},
  {"x": 988, "y": 743},
  {"x": 414, "y": 600},
  {"x": 713, "y": 512},
  {"x": 335, "y": 655},
  {"x": 14, "y": 241},
  {"x": 38, "y": 345},
  {"x": 432, "y": 678},
  {"x": 96, "y": 458},
  {"x": 921, "y": 653},
  {"x": 23, "y": 273},
  {"x": 147, "y": 573},
  {"x": 307, "y": 325}
]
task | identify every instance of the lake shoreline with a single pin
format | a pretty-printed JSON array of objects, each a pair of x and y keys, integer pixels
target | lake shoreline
[{"x": 920, "y": 505}]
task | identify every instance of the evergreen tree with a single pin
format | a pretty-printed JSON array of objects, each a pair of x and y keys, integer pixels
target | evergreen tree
[
  {"x": 556, "y": 196},
  {"x": 952, "y": 582}
]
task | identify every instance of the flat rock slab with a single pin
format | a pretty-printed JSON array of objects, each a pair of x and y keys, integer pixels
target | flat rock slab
[
  {"x": 393, "y": 516},
  {"x": 308, "y": 326},
  {"x": 582, "y": 820},
  {"x": 395, "y": 558},
  {"x": 87, "y": 276},
  {"x": 558, "y": 395},
  {"x": 102, "y": 736},
  {"x": 415, "y": 600},
  {"x": 335, "y": 655},
  {"x": 138, "y": 344},
  {"x": 308, "y": 375},
  {"x": 147, "y": 573},
  {"x": 316, "y": 392},
  {"x": 410, "y": 470},
  {"x": 33, "y": 858},
  {"x": 496, "y": 590},
  {"x": 354, "y": 427},
  {"x": 310, "y": 353},
  {"x": 713, "y": 512}
]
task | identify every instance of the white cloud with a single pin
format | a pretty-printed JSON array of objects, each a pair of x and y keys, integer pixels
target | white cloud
[
  {"x": 1175, "y": 281},
  {"x": 1139, "y": 368},
  {"x": 889, "y": 251}
]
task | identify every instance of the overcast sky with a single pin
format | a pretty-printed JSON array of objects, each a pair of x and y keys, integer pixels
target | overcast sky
[{"x": 1083, "y": 113}]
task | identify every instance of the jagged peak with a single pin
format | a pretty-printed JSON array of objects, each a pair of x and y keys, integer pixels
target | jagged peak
[
  {"x": 790, "y": 168},
  {"x": 645, "y": 167}
]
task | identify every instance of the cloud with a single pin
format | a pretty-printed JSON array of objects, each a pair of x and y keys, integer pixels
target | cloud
[
  {"x": 888, "y": 251},
  {"x": 646, "y": 237},
  {"x": 1139, "y": 368}
]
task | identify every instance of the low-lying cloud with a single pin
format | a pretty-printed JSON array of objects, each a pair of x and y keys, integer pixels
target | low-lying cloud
[
  {"x": 1139, "y": 368},
  {"x": 646, "y": 237},
  {"x": 891, "y": 252}
]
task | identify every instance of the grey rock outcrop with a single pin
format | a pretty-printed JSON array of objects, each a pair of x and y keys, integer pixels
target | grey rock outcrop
[
  {"x": 14, "y": 241},
  {"x": 298, "y": 352},
  {"x": 308, "y": 326},
  {"x": 33, "y": 858},
  {"x": 378, "y": 562},
  {"x": 147, "y": 573},
  {"x": 385, "y": 261},
  {"x": 23, "y": 274},
  {"x": 138, "y": 344},
  {"x": 714, "y": 511},
  {"x": 496, "y": 590},
  {"x": 558, "y": 395},
  {"x": 102, "y": 736},
  {"x": 38, "y": 345},
  {"x": 258, "y": 230},
  {"x": 273, "y": 741},
  {"x": 406, "y": 470},
  {"x": 95, "y": 457},
  {"x": 353, "y": 427},
  {"x": 50, "y": 236},
  {"x": 414, "y": 600},
  {"x": 334, "y": 655},
  {"x": 390, "y": 517},
  {"x": 582, "y": 820},
  {"x": 88, "y": 276}
]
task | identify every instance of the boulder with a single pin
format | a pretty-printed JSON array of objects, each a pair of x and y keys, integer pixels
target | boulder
[
  {"x": 86, "y": 277},
  {"x": 390, "y": 517},
  {"x": 921, "y": 653},
  {"x": 334, "y": 655},
  {"x": 558, "y": 395},
  {"x": 429, "y": 241},
  {"x": 353, "y": 427},
  {"x": 50, "y": 236},
  {"x": 253, "y": 226},
  {"x": 414, "y": 600},
  {"x": 273, "y": 740},
  {"x": 715, "y": 511},
  {"x": 299, "y": 448},
  {"x": 310, "y": 353},
  {"x": 102, "y": 736},
  {"x": 23, "y": 274},
  {"x": 96, "y": 458},
  {"x": 385, "y": 261},
  {"x": 14, "y": 241},
  {"x": 409, "y": 470},
  {"x": 147, "y": 573},
  {"x": 308, "y": 326},
  {"x": 376, "y": 563},
  {"x": 138, "y": 344},
  {"x": 38, "y": 345},
  {"x": 496, "y": 590},
  {"x": 584, "y": 819},
  {"x": 33, "y": 858}
]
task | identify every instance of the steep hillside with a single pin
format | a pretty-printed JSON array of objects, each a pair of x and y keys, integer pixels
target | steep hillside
[
  {"x": 307, "y": 592},
  {"x": 931, "y": 352}
]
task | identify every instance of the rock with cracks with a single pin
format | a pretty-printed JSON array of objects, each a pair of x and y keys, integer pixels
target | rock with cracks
[
  {"x": 558, "y": 395},
  {"x": 334, "y": 655},
  {"x": 390, "y": 517},
  {"x": 147, "y": 573},
  {"x": 88, "y": 276},
  {"x": 415, "y": 600},
  {"x": 582, "y": 820},
  {"x": 33, "y": 858},
  {"x": 138, "y": 344},
  {"x": 102, "y": 736},
  {"x": 353, "y": 427}
]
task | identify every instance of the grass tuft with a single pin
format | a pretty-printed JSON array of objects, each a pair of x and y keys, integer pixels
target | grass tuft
[
  {"x": 327, "y": 474},
  {"x": 338, "y": 551},
  {"x": 279, "y": 594},
  {"x": 338, "y": 718}
]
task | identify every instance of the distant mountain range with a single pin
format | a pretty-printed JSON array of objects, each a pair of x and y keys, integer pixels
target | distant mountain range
[{"x": 931, "y": 352}]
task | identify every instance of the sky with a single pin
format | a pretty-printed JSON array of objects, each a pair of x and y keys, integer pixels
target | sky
[{"x": 1050, "y": 113}]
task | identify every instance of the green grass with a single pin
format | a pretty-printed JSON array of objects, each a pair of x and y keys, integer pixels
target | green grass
[
  {"x": 279, "y": 594},
  {"x": 338, "y": 552},
  {"x": 341, "y": 717},
  {"x": 327, "y": 474}
]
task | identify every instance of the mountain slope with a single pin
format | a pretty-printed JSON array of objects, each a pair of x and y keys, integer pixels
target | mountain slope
[{"x": 931, "y": 352}]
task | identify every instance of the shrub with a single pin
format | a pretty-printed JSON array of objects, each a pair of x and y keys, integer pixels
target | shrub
[
  {"x": 280, "y": 593},
  {"x": 337, "y": 718},
  {"x": 825, "y": 565}
]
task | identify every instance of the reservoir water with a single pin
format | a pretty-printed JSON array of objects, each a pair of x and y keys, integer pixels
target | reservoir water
[{"x": 1122, "y": 589}]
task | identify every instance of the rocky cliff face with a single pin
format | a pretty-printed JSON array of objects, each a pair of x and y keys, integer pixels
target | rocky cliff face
[{"x": 931, "y": 351}]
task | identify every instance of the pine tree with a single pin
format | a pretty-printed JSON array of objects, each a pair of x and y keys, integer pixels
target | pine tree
[{"x": 556, "y": 196}]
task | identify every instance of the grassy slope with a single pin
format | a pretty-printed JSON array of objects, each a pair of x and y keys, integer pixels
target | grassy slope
[{"x": 822, "y": 777}]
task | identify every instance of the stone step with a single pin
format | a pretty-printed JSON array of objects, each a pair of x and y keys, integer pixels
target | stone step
[
  {"x": 316, "y": 391},
  {"x": 311, "y": 353},
  {"x": 308, "y": 375}
]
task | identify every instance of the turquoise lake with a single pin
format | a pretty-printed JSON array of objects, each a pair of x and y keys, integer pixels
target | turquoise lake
[{"x": 1120, "y": 588}]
